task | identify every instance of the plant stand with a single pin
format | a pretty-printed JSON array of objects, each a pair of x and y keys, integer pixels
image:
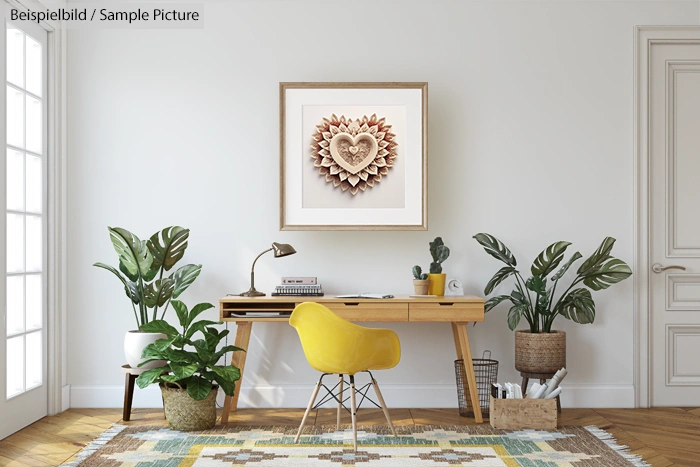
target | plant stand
[
  {"x": 131, "y": 375},
  {"x": 543, "y": 377}
]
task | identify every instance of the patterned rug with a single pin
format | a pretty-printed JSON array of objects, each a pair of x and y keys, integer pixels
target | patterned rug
[{"x": 152, "y": 446}]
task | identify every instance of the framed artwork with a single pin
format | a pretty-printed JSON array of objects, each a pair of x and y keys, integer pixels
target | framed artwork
[{"x": 353, "y": 156}]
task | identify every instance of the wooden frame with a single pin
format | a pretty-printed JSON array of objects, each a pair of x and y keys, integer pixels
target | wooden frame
[{"x": 327, "y": 195}]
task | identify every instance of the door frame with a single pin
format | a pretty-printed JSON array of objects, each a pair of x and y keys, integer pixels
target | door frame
[
  {"x": 645, "y": 37},
  {"x": 58, "y": 397}
]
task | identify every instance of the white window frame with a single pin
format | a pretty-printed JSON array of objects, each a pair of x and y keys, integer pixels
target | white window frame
[{"x": 58, "y": 391}]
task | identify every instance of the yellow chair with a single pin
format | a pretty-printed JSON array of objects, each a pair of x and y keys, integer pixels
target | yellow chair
[{"x": 335, "y": 346}]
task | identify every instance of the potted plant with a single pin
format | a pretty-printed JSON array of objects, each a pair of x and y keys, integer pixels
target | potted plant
[
  {"x": 439, "y": 252},
  {"x": 540, "y": 349},
  {"x": 143, "y": 264},
  {"x": 190, "y": 380},
  {"x": 420, "y": 281}
]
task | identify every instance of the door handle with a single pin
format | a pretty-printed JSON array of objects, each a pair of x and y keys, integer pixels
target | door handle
[{"x": 657, "y": 268}]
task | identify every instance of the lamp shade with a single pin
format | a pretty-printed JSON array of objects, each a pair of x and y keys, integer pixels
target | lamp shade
[{"x": 282, "y": 249}]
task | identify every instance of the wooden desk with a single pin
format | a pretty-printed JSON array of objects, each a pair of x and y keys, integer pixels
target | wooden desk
[{"x": 459, "y": 311}]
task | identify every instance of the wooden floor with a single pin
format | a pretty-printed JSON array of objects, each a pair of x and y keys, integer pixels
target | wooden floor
[{"x": 662, "y": 436}]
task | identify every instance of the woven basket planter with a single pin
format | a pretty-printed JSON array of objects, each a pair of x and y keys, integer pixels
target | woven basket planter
[
  {"x": 540, "y": 352},
  {"x": 186, "y": 414}
]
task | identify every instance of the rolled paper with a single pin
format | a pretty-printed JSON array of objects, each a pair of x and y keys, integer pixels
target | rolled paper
[
  {"x": 553, "y": 394},
  {"x": 540, "y": 392}
]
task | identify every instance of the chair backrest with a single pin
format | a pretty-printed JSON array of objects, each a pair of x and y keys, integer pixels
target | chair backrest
[{"x": 334, "y": 345}]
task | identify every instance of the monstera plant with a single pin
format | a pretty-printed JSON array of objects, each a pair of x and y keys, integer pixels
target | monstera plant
[
  {"x": 142, "y": 268},
  {"x": 536, "y": 298}
]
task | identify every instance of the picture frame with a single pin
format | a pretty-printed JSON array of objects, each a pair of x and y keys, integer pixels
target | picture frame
[{"x": 353, "y": 156}]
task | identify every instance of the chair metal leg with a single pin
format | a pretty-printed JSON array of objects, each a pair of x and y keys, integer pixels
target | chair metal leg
[
  {"x": 353, "y": 411},
  {"x": 340, "y": 401},
  {"x": 308, "y": 409},
  {"x": 384, "y": 408}
]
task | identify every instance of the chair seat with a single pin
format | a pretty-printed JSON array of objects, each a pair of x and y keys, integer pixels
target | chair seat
[{"x": 334, "y": 345}]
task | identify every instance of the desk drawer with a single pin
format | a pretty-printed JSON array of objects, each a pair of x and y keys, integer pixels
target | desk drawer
[
  {"x": 353, "y": 310},
  {"x": 446, "y": 311}
]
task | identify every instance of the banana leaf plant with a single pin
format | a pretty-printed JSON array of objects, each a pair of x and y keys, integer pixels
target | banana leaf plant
[
  {"x": 195, "y": 370},
  {"x": 535, "y": 298},
  {"x": 143, "y": 264}
]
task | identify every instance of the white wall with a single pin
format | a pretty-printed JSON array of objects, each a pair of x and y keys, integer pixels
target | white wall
[{"x": 530, "y": 139}]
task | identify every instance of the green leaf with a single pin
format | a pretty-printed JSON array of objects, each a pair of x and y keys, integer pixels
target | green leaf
[
  {"x": 537, "y": 285},
  {"x": 560, "y": 273},
  {"x": 228, "y": 373},
  {"x": 183, "y": 356},
  {"x": 549, "y": 259},
  {"x": 198, "y": 388},
  {"x": 492, "y": 302},
  {"x": 129, "y": 287},
  {"x": 149, "y": 376},
  {"x": 199, "y": 326},
  {"x": 163, "y": 344},
  {"x": 133, "y": 253},
  {"x": 184, "y": 276},
  {"x": 226, "y": 349},
  {"x": 160, "y": 326},
  {"x": 158, "y": 292},
  {"x": 514, "y": 316},
  {"x": 168, "y": 247},
  {"x": 181, "y": 311},
  {"x": 501, "y": 275},
  {"x": 597, "y": 258},
  {"x": 611, "y": 272},
  {"x": 170, "y": 378},
  {"x": 205, "y": 354},
  {"x": 228, "y": 386},
  {"x": 517, "y": 298},
  {"x": 578, "y": 306},
  {"x": 496, "y": 248},
  {"x": 151, "y": 351},
  {"x": 543, "y": 303},
  {"x": 183, "y": 371},
  {"x": 197, "y": 310}
]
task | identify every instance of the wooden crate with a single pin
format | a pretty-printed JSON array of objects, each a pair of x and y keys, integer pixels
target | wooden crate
[{"x": 519, "y": 414}]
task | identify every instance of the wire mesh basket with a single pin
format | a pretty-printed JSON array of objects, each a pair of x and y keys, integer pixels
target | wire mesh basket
[{"x": 486, "y": 372}]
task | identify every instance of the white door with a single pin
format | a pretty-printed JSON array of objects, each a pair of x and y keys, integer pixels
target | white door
[
  {"x": 674, "y": 153},
  {"x": 23, "y": 393}
]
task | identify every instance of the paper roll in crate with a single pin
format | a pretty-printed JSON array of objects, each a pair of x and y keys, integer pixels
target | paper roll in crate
[{"x": 520, "y": 414}]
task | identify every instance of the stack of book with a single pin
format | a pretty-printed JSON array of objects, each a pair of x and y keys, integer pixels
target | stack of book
[{"x": 299, "y": 286}]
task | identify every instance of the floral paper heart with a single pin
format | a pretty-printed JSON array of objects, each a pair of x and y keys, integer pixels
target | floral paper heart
[{"x": 353, "y": 154}]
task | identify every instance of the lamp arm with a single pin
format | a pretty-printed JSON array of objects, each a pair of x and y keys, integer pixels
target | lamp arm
[{"x": 252, "y": 268}]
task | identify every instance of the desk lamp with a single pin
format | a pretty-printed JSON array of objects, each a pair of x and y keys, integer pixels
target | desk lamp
[{"x": 280, "y": 250}]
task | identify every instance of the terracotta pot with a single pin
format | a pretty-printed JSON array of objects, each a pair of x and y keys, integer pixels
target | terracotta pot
[
  {"x": 134, "y": 343},
  {"x": 186, "y": 414},
  {"x": 420, "y": 287},
  {"x": 437, "y": 284},
  {"x": 540, "y": 352}
]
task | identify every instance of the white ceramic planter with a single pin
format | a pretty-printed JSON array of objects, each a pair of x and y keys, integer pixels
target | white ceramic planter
[{"x": 134, "y": 343}]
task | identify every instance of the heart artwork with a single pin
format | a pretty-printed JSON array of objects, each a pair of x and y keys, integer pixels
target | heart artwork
[{"x": 354, "y": 154}]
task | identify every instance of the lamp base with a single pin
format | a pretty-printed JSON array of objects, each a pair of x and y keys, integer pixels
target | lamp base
[{"x": 252, "y": 293}]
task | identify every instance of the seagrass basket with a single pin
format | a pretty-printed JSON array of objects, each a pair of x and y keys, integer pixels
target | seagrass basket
[
  {"x": 186, "y": 414},
  {"x": 540, "y": 352}
]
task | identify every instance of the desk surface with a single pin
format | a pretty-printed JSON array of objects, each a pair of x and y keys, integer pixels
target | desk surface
[{"x": 402, "y": 308}]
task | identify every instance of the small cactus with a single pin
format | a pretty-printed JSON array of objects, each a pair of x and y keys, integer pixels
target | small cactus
[
  {"x": 418, "y": 273},
  {"x": 440, "y": 253}
]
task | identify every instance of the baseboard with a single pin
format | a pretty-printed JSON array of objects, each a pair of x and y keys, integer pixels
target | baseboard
[
  {"x": 396, "y": 395},
  {"x": 65, "y": 398}
]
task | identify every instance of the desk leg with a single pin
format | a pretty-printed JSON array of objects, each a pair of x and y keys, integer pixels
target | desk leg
[
  {"x": 238, "y": 360},
  {"x": 469, "y": 368}
]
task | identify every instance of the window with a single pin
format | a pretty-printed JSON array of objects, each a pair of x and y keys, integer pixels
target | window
[{"x": 25, "y": 211}]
